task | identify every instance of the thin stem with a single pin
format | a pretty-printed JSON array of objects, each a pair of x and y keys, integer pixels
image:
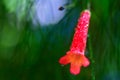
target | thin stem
[{"x": 91, "y": 58}]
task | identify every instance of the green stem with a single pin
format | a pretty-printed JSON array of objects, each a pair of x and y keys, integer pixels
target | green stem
[{"x": 91, "y": 58}]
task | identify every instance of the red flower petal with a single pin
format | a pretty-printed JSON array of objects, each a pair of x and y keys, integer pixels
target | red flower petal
[
  {"x": 86, "y": 62},
  {"x": 76, "y": 60},
  {"x": 75, "y": 68},
  {"x": 64, "y": 60}
]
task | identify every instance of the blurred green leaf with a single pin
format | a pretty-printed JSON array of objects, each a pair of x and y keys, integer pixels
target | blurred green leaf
[
  {"x": 9, "y": 36},
  {"x": 19, "y": 7}
]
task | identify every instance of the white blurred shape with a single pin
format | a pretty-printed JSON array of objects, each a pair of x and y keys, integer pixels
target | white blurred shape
[{"x": 47, "y": 11}]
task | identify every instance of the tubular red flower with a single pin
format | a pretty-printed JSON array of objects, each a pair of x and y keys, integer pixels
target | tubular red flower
[{"x": 76, "y": 55}]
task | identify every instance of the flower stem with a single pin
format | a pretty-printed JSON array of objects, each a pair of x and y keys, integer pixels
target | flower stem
[{"x": 91, "y": 58}]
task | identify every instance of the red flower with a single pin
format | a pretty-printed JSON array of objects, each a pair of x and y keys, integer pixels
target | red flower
[{"x": 76, "y": 55}]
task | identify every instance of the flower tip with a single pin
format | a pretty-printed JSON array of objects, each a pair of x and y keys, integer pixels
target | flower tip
[
  {"x": 87, "y": 11},
  {"x": 86, "y": 62},
  {"x": 75, "y": 71},
  {"x": 64, "y": 60},
  {"x": 75, "y": 68}
]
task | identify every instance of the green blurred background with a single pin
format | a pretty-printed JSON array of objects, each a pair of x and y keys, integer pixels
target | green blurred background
[{"x": 32, "y": 54}]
